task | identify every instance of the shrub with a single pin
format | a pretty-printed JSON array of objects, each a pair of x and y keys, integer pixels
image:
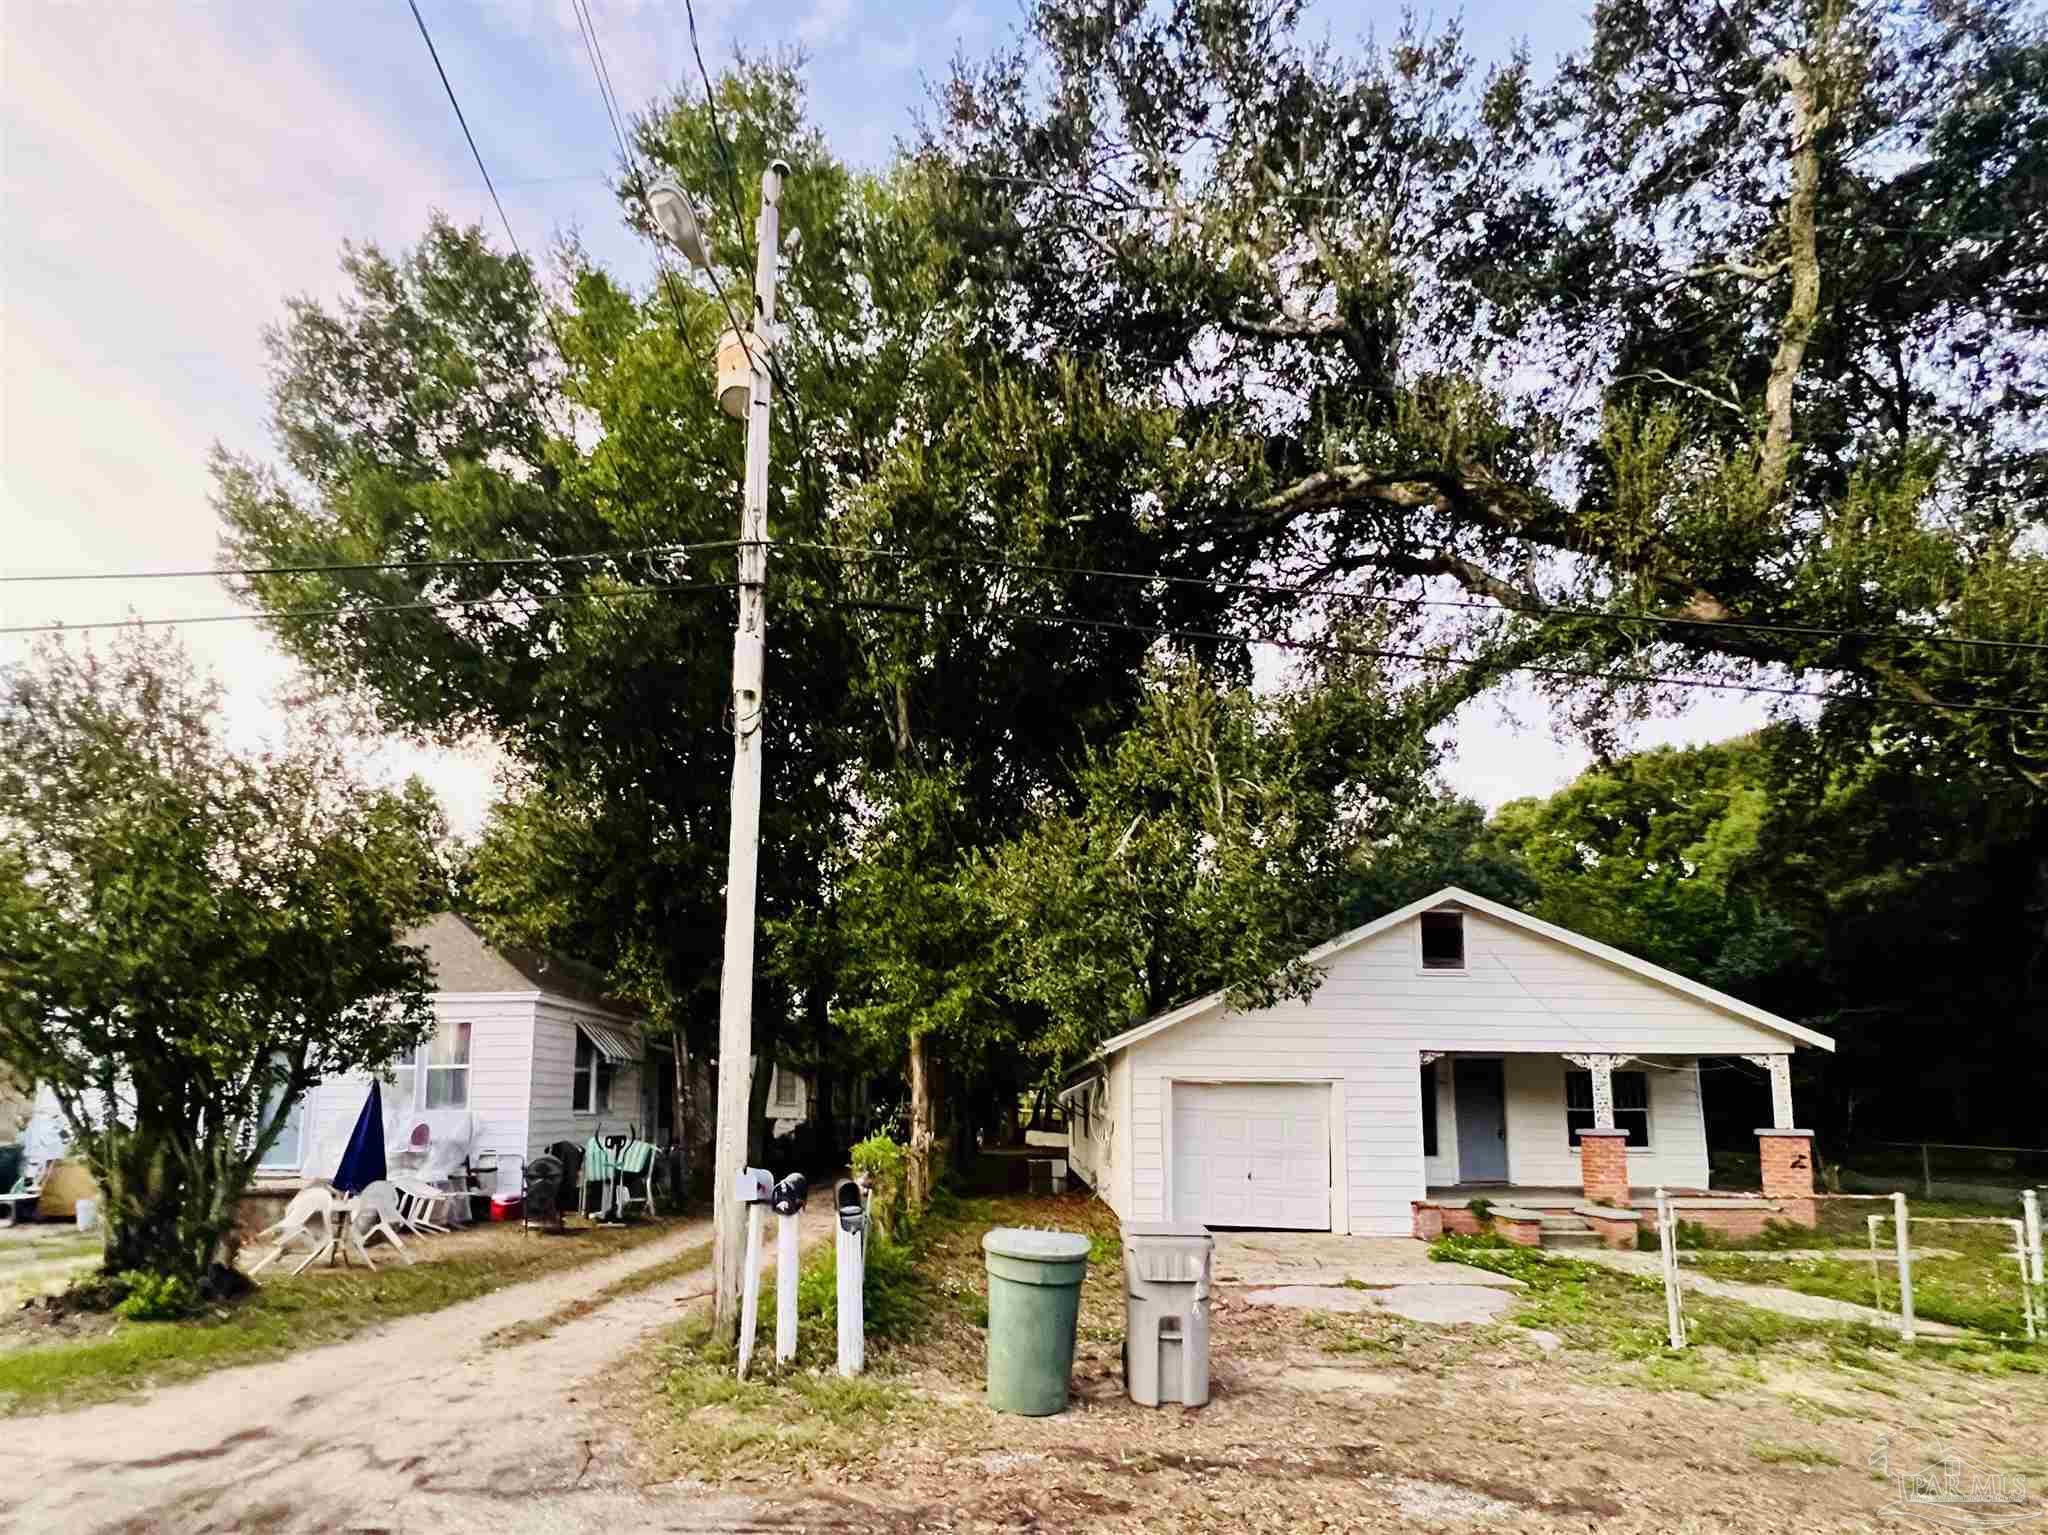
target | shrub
[
  {"x": 156, "y": 1297},
  {"x": 881, "y": 1163}
]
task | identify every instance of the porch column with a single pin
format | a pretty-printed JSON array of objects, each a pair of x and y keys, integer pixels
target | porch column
[
  {"x": 1785, "y": 1153},
  {"x": 1603, "y": 1150}
]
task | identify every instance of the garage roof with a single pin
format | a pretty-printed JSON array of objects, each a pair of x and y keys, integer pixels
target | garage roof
[{"x": 1451, "y": 895}]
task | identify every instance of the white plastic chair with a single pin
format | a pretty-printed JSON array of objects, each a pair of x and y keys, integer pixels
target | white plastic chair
[
  {"x": 307, "y": 1206},
  {"x": 421, "y": 1206},
  {"x": 376, "y": 1213}
]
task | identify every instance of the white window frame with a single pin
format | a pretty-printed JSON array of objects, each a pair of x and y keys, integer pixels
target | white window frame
[
  {"x": 1422, "y": 964},
  {"x": 787, "y": 1094},
  {"x": 590, "y": 1088},
  {"x": 294, "y": 1132},
  {"x": 465, "y": 1030}
]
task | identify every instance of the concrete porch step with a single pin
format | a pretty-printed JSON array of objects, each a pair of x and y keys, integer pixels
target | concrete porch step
[{"x": 1560, "y": 1238}]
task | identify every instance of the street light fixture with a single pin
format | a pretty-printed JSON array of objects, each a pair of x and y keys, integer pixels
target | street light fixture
[{"x": 681, "y": 220}]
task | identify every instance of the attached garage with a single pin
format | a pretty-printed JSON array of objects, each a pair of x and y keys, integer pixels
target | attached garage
[{"x": 1252, "y": 1154}]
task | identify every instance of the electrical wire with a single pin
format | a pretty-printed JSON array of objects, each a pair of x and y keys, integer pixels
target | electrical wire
[
  {"x": 600, "y": 67},
  {"x": 547, "y": 318},
  {"x": 1420, "y": 657},
  {"x": 1810, "y": 631},
  {"x": 481, "y": 563},
  {"x": 433, "y": 605},
  {"x": 732, "y": 181}
]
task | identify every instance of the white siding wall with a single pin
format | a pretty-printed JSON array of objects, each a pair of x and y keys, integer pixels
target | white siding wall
[
  {"x": 553, "y": 1079},
  {"x": 499, "y": 1042},
  {"x": 1520, "y": 993}
]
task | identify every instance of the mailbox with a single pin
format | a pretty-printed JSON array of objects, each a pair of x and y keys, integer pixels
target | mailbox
[
  {"x": 853, "y": 1208},
  {"x": 751, "y": 1185},
  {"x": 788, "y": 1196}
]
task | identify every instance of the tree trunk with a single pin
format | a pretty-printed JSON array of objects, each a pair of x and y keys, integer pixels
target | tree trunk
[
  {"x": 824, "y": 1122},
  {"x": 918, "y": 1178}
]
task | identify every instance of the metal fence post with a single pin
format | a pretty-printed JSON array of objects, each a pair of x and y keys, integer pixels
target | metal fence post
[
  {"x": 1905, "y": 1252},
  {"x": 2030, "y": 1206},
  {"x": 1871, "y": 1223},
  {"x": 1667, "y": 1245},
  {"x": 2025, "y": 1261}
]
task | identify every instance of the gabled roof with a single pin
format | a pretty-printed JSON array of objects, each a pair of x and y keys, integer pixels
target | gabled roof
[
  {"x": 464, "y": 961},
  {"x": 1451, "y": 895}
]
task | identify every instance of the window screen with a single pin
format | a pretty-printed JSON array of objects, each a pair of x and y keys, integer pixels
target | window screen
[
  {"x": 1443, "y": 940},
  {"x": 1631, "y": 1104}
]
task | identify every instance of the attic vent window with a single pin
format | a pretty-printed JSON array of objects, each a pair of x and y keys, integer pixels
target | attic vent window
[{"x": 1443, "y": 940}]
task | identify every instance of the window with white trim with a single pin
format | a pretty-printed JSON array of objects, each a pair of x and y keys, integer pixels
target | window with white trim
[
  {"x": 1443, "y": 940},
  {"x": 1631, "y": 1104},
  {"x": 446, "y": 1064},
  {"x": 283, "y": 1154},
  {"x": 593, "y": 1093},
  {"x": 785, "y": 1088}
]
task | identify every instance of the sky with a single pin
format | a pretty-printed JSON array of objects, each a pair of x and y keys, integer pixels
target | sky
[{"x": 172, "y": 172}]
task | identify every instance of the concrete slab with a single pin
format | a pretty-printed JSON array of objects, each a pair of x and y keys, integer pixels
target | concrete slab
[
  {"x": 1443, "y": 1305},
  {"x": 1269, "y": 1258},
  {"x": 1309, "y": 1297}
]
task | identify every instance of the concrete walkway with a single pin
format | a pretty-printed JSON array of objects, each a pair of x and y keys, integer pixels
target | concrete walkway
[
  {"x": 420, "y": 1426},
  {"x": 1811, "y": 1308},
  {"x": 1317, "y": 1258}
]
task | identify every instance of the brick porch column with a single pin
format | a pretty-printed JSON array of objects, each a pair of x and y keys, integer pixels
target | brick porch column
[
  {"x": 1787, "y": 1157},
  {"x": 1603, "y": 1167}
]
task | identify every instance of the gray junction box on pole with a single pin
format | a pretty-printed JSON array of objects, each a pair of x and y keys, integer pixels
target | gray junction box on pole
[{"x": 1166, "y": 1312}]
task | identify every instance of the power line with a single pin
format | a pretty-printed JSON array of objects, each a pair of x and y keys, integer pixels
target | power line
[
  {"x": 478, "y": 155},
  {"x": 593, "y": 49},
  {"x": 1420, "y": 657},
  {"x": 436, "y": 605},
  {"x": 508, "y": 562},
  {"x": 1810, "y": 631},
  {"x": 739, "y": 219}
]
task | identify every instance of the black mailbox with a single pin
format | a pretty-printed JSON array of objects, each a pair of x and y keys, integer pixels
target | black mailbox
[
  {"x": 853, "y": 1208},
  {"x": 787, "y": 1197}
]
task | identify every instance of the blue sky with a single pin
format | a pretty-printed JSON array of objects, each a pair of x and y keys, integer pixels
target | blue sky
[{"x": 172, "y": 172}]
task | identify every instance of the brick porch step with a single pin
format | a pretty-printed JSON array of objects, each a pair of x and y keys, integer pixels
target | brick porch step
[{"x": 1566, "y": 1231}]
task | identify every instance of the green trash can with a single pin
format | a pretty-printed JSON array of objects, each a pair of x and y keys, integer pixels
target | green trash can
[{"x": 1034, "y": 1302}]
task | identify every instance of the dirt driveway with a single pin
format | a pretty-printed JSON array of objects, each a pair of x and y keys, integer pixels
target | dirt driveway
[{"x": 425, "y": 1425}]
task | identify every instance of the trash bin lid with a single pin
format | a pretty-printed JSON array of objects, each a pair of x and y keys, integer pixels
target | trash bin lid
[
  {"x": 1039, "y": 1246},
  {"x": 1164, "y": 1229}
]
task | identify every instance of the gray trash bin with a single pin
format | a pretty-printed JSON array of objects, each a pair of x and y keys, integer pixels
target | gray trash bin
[{"x": 1166, "y": 1312}]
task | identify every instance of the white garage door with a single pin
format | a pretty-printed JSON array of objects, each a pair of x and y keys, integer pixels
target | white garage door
[{"x": 1252, "y": 1154}]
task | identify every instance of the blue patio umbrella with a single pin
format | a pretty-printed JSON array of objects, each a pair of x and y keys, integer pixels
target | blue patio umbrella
[{"x": 362, "y": 1164}]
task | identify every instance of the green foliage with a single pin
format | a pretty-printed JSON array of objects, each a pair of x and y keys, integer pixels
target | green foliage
[
  {"x": 157, "y": 1297},
  {"x": 884, "y": 1163},
  {"x": 190, "y": 935}
]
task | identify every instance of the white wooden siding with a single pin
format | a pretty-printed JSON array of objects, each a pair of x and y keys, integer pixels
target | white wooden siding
[
  {"x": 553, "y": 1079},
  {"x": 1521, "y": 994}
]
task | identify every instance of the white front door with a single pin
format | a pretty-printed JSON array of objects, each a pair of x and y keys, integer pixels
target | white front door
[{"x": 1254, "y": 1154}]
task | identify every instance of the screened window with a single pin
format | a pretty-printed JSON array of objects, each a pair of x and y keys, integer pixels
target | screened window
[
  {"x": 1631, "y": 1104},
  {"x": 1429, "y": 1110},
  {"x": 593, "y": 1077},
  {"x": 447, "y": 1065},
  {"x": 1443, "y": 940}
]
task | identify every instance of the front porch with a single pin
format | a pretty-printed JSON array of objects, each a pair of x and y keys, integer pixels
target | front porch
[{"x": 1567, "y": 1148}]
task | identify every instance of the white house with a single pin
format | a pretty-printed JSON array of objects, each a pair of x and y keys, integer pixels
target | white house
[
  {"x": 526, "y": 1051},
  {"x": 1453, "y": 1048}
]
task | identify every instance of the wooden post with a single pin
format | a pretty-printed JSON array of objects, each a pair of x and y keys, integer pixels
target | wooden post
[
  {"x": 852, "y": 1276},
  {"x": 1926, "y": 1172},
  {"x": 2030, "y": 1206},
  {"x": 1667, "y": 1243},
  {"x": 750, "y": 1287},
  {"x": 2019, "y": 1251},
  {"x": 1903, "y": 1242}
]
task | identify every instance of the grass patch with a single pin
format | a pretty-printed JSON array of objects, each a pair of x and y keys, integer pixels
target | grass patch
[
  {"x": 286, "y": 1314},
  {"x": 688, "y": 1261},
  {"x": 1791, "y": 1454},
  {"x": 1975, "y": 1290}
]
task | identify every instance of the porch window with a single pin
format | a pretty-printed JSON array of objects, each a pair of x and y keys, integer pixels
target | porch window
[
  {"x": 593, "y": 1078},
  {"x": 1429, "y": 1110},
  {"x": 1443, "y": 940},
  {"x": 447, "y": 1065},
  {"x": 1631, "y": 1104}
]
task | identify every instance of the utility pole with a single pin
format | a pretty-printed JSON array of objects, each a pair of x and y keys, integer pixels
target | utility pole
[
  {"x": 749, "y": 706},
  {"x": 675, "y": 214}
]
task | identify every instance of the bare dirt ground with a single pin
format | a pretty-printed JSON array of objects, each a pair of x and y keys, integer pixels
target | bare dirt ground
[
  {"x": 429, "y": 1424},
  {"x": 1359, "y": 1421}
]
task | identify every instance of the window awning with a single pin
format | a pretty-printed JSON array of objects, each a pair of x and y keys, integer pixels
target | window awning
[{"x": 615, "y": 1045}]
